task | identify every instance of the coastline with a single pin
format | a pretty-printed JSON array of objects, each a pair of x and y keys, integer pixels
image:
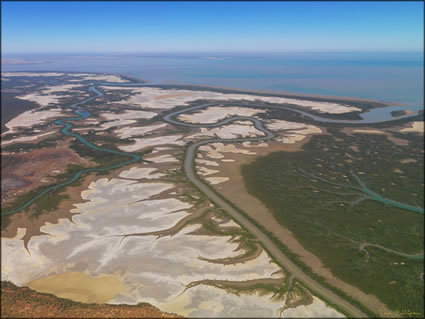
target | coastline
[
  {"x": 276, "y": 93},
  {"x": 95, "y": 89},
  {"x": 363, "y": 103},
  {"x": 287, "y": 94}
]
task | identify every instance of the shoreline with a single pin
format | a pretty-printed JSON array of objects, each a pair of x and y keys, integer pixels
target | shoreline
[
  {"x": 277, "y": 93},
  {"x": 220, "y": 89},
  {"x": 286, "y": 94},
  {"x": 95, "y": 89}
]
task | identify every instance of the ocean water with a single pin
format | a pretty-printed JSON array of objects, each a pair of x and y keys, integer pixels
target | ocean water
[{"x": 390, "y": 77}]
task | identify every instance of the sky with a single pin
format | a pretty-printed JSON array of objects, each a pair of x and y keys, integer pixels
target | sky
[{"x": 136, "y": 27}]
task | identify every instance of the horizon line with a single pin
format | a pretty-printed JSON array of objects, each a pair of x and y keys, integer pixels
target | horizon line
[{"x": 214, "y": 52}]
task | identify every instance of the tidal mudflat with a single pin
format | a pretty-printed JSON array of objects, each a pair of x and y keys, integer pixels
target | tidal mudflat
[
  {"x": 140, "y": 226},
  {"x": 90, "y": 252},
  {"x": 157, "y": 98}
]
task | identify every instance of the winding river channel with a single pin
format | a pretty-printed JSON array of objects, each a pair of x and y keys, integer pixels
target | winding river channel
[
  {"x": 367, "y": 118},
  {"x": 385, "y": 116},
  {"x": 65, "y": 130}
]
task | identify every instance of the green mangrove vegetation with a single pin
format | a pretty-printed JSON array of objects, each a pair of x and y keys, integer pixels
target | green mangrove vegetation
[{"x": 313, "y": 194}]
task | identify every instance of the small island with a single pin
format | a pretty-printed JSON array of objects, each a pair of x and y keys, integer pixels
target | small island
[{"x": 399, "y": 113}]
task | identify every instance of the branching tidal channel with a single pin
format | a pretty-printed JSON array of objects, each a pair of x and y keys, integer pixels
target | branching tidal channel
[
  {"x": 262, "y": 238},
  {"x": 171, "y": 118}
]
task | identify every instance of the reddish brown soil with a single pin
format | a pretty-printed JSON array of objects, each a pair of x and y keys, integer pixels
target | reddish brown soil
[
  {"x": 23, "y": 302},
  {"x": 22, "y": 172},
  {"x": 26, "y": 218}
]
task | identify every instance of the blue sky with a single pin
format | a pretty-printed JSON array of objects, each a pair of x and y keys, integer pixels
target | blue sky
[{"x": 128, "y": 27}]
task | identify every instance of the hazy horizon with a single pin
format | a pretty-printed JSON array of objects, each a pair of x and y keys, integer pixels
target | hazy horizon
[
  {"x": 109, "y": 53},
  {"x": 394, "y": 77},
  {"x": 133, "y": 27},
  {"x": 363, "y": 49}
]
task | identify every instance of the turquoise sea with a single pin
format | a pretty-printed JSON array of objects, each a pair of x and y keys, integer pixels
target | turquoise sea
[{"x": 394, "y": 77}]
